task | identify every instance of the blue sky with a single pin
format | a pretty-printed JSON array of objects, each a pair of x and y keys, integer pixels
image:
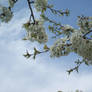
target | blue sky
[{"x": 18, "y": 74}]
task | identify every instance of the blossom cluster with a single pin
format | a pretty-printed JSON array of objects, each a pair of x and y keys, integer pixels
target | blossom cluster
[
  {"x": 5, "y": 14},
  {"x": 11, "y": 2},
  {"x": 36, "y": 32},
  {"x": 41, "y": 5},
  {"x": 60, "y": 48},
  {"x": 81, "y": 46},
  {"x": 85, "y": 24},
  {"x": 67, "y": 29}
]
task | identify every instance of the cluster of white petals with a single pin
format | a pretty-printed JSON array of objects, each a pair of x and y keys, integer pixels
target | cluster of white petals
[
  {"x": 85, "y": 24},
  {"x": 11, "y": 2},
  {"x": 5, "y": 14},
  {"x": 36, "y": 32},
  {"x": 41, "y": 5},
  {"x": 60, "y": 48},
  {"x": 67, "y": 29},
  {"x": 81, "y": 46}
]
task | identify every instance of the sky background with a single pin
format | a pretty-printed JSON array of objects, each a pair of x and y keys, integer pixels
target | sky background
[{"x": 44, "y": 74}]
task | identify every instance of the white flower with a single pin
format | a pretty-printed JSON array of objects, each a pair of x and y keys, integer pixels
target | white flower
[
  {"x": 81, "y": 46},
  {"x": 36, "y": 32},
  {"x": 67, "y": 29},
  {"x": 11, "y": 3},
  {"x": 41, "y": 5},
  {"x": 85, "y": 24},
  {"x": 60, "y": 48},
  {"x": 6, "y": 14}
]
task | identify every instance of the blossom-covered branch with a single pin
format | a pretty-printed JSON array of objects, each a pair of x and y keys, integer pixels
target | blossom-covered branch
[{"x": 70, "y": 39}]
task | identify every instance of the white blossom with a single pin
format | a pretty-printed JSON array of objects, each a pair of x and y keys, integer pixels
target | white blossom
[
  {"x": 11, "y": 2},
  {"x": 81, "y": 46},
  {"x": 5, "y": 14},
  {"x": 67, "y": 29},
  {"x": 60, "y": 48},
  {"x": 36, "y": 32},
  {"x": 85, "y": 24},
  {"x": 41, "y": 5}
]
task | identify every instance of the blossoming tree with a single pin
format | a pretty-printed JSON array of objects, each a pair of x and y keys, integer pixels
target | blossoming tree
[{"x": 74, "y": 40}]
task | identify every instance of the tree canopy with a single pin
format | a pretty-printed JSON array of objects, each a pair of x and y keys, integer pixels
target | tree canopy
[{"x": 68, "y": 38}]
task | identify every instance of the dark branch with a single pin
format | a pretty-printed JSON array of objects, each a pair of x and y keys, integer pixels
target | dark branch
[
  {"x": 76, "y": 68},
  {"x": 32, "y": 14},
  {"x": 36, "y": 52},
  {"x": 84, "y": 36}
]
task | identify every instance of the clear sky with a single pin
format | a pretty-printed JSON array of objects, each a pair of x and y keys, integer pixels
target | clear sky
[{"x": 18, "y": 74}]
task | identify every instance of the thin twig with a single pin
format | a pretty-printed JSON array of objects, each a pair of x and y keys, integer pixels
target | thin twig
[
  {"x": 58, "y": 11},
  {"x": 28, "y": 55},
  {"x": 84, "y": 36},
  {"x": 76, "y": 68}
]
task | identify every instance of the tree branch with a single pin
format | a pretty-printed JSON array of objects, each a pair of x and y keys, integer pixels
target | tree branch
[
  {"x": 84, "y": 36},
  {"x": 36, "y": 52},
  {"x": 58, "y": 11},
  {"x": 32, "y": 14},
  {"x": 76, "y": 68}
]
